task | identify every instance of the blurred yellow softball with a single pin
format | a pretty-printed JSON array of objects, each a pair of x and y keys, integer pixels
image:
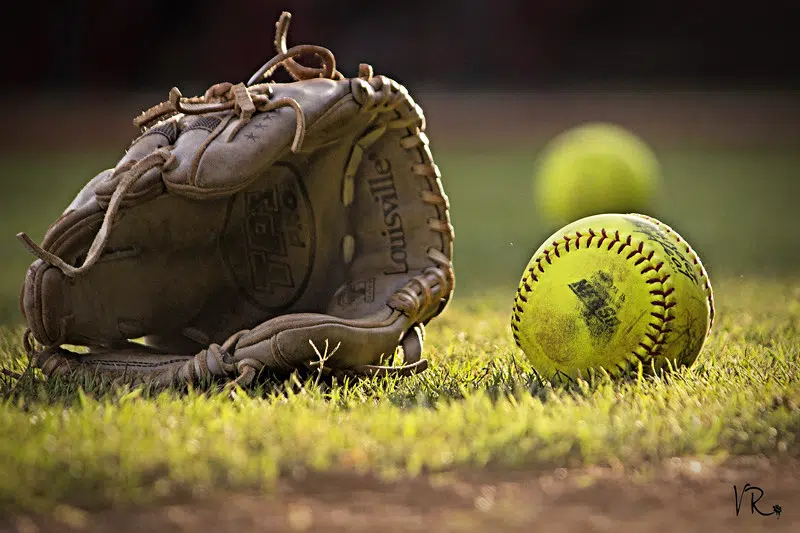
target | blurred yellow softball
[
  {"x": 594, "y": 168},
  {"x": 612, "y": 291}
]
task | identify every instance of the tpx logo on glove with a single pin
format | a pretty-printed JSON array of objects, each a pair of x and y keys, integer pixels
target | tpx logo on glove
[
  {"x": 268, "y": 241},
  {"x": 383, "y": 190}
]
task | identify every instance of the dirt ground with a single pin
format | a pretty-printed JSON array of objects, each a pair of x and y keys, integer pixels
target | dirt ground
[{"x": 679, "y": 495}]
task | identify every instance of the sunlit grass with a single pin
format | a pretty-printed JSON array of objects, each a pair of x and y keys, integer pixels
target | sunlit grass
[
  {"x": 88, "y": 444},
  {"x": 479, "y": 404}
]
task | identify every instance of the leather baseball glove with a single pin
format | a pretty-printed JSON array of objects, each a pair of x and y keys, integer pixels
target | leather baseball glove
[{"x": 248, "y": 229}]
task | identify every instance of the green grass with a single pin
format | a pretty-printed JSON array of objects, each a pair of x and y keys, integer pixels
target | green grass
[
  {"x": 478, "y": 405},
  {"x": 90, "y": 445}
]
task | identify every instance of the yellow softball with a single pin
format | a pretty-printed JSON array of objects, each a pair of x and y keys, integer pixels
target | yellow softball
[
  {"x": 612, "y": 291},
  {"x": 594, "y": 168}
]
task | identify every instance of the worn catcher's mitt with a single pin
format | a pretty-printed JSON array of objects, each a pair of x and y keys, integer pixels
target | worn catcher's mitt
[{"x": 247, "y": 229}]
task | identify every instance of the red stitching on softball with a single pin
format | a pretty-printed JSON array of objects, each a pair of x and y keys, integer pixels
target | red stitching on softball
[
  {"x": 696, "y": 260},
  {"x": 663, "y": 293}
]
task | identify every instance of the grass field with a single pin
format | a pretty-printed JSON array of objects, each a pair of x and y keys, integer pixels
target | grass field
[{"x": 70, "y": 447}]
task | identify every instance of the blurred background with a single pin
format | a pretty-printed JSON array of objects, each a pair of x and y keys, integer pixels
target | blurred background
[{"x": 712, "y": 86}]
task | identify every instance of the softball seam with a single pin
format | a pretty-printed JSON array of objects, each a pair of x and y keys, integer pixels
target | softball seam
[
  {"x": 697, "y": 264},
  {"x": 651, "y": 344}
]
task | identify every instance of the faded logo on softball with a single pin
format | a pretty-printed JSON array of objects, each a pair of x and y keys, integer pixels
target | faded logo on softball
[
  {"x": 269, "y": 241},
  {"x": 600, "y": 301},
  {"x": 676, "y": 257}
]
